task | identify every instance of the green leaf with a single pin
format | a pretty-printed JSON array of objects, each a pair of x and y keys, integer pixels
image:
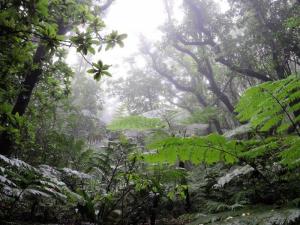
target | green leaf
[
  {"x": 121, "y": 44},
  {"x": 109, "y": 46},
  {"x": 92, "y": 50},
  {"x": 122, "y": 36},
  {"x": 91, "y": 71},
  {"x": 42, "y": 7},
  {"x": 97, "y": 76}
]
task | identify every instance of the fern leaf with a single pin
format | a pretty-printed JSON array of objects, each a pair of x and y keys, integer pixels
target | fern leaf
[
  {"x": 209, "y": 149},
  {"x": 271, "y": 104},
  {"x": 290, "y": 156}
]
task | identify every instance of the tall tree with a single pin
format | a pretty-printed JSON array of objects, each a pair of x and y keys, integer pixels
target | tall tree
[{"x": 32, "y": 32}]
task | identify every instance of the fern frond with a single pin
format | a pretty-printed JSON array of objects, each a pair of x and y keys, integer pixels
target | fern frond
[
  {"x": 6, "y": 181},
  {"x": 256, "y": 148},
  {"x": 215, "y": 207},
  {"x": 16, "y": 163},
  {"x": 34, "y": 192},
  {"x": 290, "y": 156},
  {"x": 216, "y": 148},
  {"x": 209, "y": 149},
  {"x": 271, "y": 105},
  {"x": 167, "y": 173},
  {"x": 21, "y": 180}
]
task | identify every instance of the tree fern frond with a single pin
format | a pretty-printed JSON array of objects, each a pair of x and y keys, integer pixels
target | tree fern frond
[
  {"x": 6, "y": 181},
  {"x": 290, "y": 156},
  {"x": 167, "y": 173},
  {"x": 256, "y": 148},
  {"x": 271, "y": 104},
  {"x": 16, "y": 163},
  {"x": 21, "y": 180},
  {"x": 216, "y": 148},
  {"x": 215, "y": 207},
  {"x": 209, "y": 149},
  {"x": 156, "y": 135},
  {"x": 34, "y": 192},
  {"x": 75, "y": 173}
]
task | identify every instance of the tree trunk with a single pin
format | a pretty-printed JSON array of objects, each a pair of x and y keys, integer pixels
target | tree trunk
[{"x": 31, "y": 79}]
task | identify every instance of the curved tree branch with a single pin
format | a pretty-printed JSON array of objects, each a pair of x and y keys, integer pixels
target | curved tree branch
[
  {"x": 207, "y": 71},
  {"x": 106, "y": 5}
]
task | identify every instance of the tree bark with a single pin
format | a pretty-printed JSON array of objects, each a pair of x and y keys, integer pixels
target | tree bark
[
  {"x": 31, "y": 79},
  {"x": 215, "y": 88}
]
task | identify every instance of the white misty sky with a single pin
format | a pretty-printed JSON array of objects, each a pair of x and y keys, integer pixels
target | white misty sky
[{"x": 135, "y": 18}]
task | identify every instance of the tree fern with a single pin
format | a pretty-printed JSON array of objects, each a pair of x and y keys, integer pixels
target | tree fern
[{"x": 271, "y": 105}]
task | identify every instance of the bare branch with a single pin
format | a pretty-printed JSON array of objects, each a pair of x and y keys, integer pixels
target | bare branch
[{"x": 106, "y": 5}]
